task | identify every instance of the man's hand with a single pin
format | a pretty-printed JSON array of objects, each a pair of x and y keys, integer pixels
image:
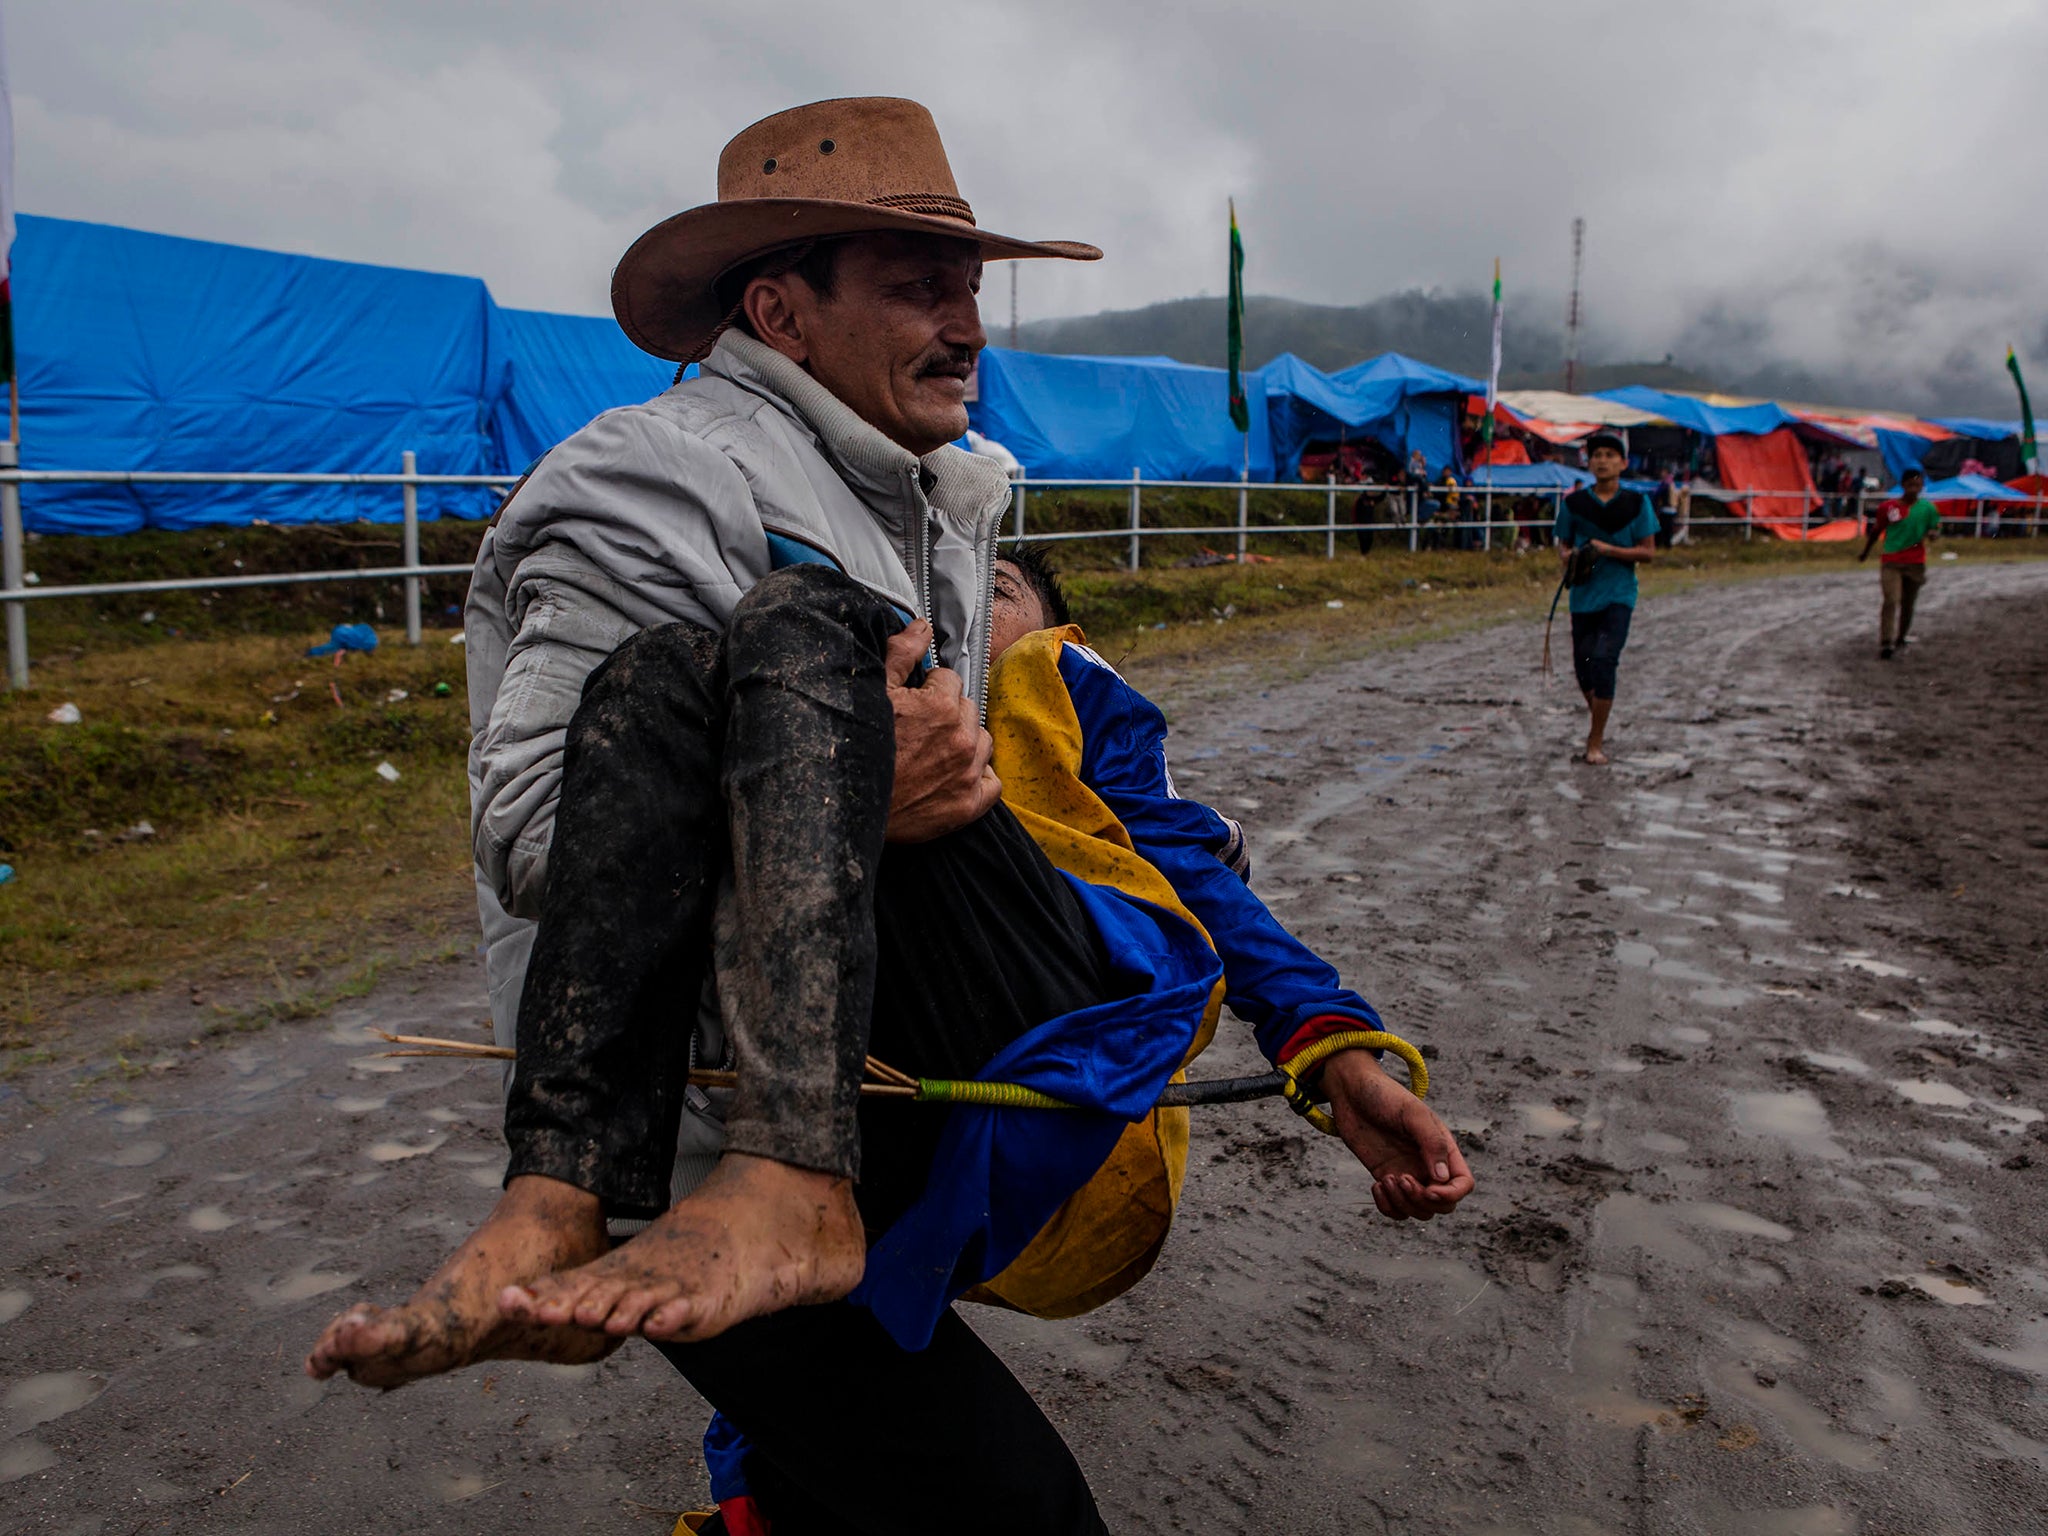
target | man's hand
[
  {"x": 1417, "y": 1169},
  {"x": 943, "y": 780}
]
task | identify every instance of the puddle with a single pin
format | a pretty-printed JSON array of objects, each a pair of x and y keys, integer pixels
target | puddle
[
  {"x": 382, "y": 1064},
  {"x": 454, "y": 1487},
  {"x": 138, "y": 1114},
  {"x": 1632, "y": 1221},
  {"x": 1625, "y": 1066},
  {"x": 1722, "y": 997},
  {"x": 1756, "y": 890},
  {"x": 300, "y": 1285},
  {"x": 13, "y": 1303},
  {"x": 1945, "y": 1289},
  {"x": 1759, "y": 920},
  {"x": 210, "y": 1218},
  {"x": 1922, "y": 1090},
  {"x": 1863, "y": 960},
  {"x": 1634, "y": 953},
  {"x": 1657, "y": 1141},
  {"x": 1829, "y": 1061},
  {"x": 25, "y": 1458},
  {"x": 1602, "y": 1356},
  {"x": 1962, "y": 1151},
  {"x": 1853, "y": 892},
  {"x": 2030, "y": 1354},
  {"x": 39, "y": 1399},
  {"x": 398, "y": 1151},
  {"x": 1803, "y": 1424},
  {"x": 1568, "y": 791},
  {"x": 1691, "y": 1035},
  {"x": 137, "y": 1154},
  {"x": 487, "y": 1178},
  {"x": 171, "y": 1272},
  {"x": 441, "y": 1116},
  {"x": 1547, "y": 1119},
  {"x": 1795, "y": 1116},
  {"x": 359, "y": 1106}
]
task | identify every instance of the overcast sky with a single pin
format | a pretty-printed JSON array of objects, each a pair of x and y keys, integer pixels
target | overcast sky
[{"x": 1847, "y": 185}]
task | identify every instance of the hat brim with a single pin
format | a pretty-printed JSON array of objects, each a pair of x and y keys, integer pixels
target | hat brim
[{"x": 662, "y": 287}]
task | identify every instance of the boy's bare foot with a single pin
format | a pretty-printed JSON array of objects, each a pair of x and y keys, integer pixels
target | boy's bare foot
[
  {"x": 755, "y": 1237},
  {"x": 540, "y": 1225},
  {"x": 1593, "y": 757}
]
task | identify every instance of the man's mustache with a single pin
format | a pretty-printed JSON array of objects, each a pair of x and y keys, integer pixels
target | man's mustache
[{"x": 946, "y": 362}]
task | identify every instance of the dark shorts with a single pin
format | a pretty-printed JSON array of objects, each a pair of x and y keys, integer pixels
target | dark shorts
[{"x": 1597, "y": 639}]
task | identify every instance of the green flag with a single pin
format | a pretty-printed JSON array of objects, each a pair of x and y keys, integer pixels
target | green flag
[
  {"x": 1240, "y": 408},
  {"x": 2030, "y": 454}
]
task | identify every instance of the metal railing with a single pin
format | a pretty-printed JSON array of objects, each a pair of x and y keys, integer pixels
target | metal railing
[{"x": 1477, "y": 528}]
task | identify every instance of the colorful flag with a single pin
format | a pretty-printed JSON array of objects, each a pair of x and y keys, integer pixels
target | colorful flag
[
  {"x": 1240, "y": 408},
  {"x": 2030, "y": 453},
  {"x": 1493, "y": 374}
]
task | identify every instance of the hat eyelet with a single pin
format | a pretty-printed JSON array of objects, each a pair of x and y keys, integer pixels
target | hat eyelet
[
  {"x": 768, "y": 167},
  {"x": 826, "y": 147}
]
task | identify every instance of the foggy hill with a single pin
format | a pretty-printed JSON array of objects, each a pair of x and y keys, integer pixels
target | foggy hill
[{"x": 1449, "y": 330}]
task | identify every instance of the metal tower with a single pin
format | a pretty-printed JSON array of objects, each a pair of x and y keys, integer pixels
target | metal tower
[
  {"x": 1571, "y": 317},
  {"x": 1013, "y": 305}
]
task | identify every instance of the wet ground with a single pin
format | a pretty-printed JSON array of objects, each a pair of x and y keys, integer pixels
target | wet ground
[{"x": 1745, "y": 1037}]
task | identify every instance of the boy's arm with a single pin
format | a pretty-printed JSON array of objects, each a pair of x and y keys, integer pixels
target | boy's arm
[{"x": 1289, "y": 995}]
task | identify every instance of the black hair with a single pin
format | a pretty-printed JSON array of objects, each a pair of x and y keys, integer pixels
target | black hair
[
  {"x": 1601, "y": 440},
  {"x": 1913, "y": 473},
  {"x": 815, "y": 261},
  {"x": 1043, "y": 579}
]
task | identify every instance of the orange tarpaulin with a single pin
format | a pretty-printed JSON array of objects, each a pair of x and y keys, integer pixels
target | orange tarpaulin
[
  {"x": 1504, "y": 450},
  {"x": 1775, "y": 461}
]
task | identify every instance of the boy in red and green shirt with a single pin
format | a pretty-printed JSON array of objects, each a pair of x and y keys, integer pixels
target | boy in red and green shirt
[{"x": 1907, "y": 524}]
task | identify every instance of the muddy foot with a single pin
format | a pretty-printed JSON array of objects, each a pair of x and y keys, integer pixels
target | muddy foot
[
  {"x": 540, "y": 1225},
  {"x": 1593, "y": 757},
  {"x": 756, "y": 1237}
]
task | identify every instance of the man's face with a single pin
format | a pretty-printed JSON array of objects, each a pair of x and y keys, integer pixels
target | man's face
[
  {"x": 1606, "y": 463},
  {"x": 1912, "y": 486},
  {"x": 897, "y": 338},
  {"x": 1016, "y": 610}
]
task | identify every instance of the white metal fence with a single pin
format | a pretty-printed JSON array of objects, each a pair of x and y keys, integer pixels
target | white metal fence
[{"x": 1414, "y": 518}]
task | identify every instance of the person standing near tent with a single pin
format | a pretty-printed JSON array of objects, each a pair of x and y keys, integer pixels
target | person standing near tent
[
  {"x": 1906, "y": 523},
  {"x": 1603, "y": 533}
]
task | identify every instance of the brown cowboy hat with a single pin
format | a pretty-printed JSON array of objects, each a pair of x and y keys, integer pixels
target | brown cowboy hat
[{"x": 849, "y": 167}]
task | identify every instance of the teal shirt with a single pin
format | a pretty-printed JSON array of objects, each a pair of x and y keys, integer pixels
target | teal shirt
[{"x": 1613, "y": 581}]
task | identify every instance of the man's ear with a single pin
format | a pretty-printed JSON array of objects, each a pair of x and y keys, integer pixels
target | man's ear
[{"x": 770, "y": 309}]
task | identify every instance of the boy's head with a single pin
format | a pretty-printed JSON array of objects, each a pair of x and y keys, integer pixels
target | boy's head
[
  {"x": 1606, "y": 455},
  {"x": 1027, "y": 597},
  {"x": 1912, "y": 483}
]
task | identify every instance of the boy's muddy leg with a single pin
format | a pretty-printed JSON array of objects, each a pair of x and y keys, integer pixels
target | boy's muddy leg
[
  {"x": 808, "y": 763},
  {"x": 624, "y": 945}
]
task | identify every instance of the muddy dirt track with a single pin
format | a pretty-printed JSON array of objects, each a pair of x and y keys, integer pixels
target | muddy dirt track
[{"x": 1745, "y": 1037}]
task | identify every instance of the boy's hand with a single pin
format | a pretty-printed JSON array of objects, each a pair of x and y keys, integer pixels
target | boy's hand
[
  {"x": 1417, "y": 1168},
  {"x": 943, "y": 779}
]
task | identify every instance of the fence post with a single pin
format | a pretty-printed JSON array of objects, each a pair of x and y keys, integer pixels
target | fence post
[
  {"x": 1414, "y": 512},
  {"x": 1486, "y": 531},
  {"x": 412, "y": 549},
  {"x": 1330, "y": 531},
  {"x": 1017, "y": 505},
  {"x": 11, "y": 569},
  {"x": 1244, "y": 510},
  {"x": 1135, "y": 476}
]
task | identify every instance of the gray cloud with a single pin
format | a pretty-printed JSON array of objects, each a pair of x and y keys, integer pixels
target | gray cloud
[{"x": 1845, "y": 193}]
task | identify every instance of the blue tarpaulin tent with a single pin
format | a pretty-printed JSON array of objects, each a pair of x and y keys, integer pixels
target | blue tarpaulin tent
[
  {"x": 141, "y": 351},
  {"x": 566, "y": 369},
  {"x": 1902, "y": 450},
  {"x": 1089, "y": 418},
  {"x": 1978, "y": 427},
  {"x": 1697, "y": 415},
  {"x": 1535, "y": 477},
  {"x": 1394, "y": 400},
  {"x": 1968, "y": 488}
]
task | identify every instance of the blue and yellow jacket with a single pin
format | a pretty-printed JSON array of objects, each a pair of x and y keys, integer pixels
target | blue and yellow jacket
[{"x": 1055, "y": 1213}]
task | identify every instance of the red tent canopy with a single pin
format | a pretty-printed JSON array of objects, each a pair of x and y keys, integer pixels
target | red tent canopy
[{"x": 1775, "y": 461}]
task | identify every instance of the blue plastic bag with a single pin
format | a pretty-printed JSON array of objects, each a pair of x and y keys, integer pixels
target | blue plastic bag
[{"x": 347, "y": 637}]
